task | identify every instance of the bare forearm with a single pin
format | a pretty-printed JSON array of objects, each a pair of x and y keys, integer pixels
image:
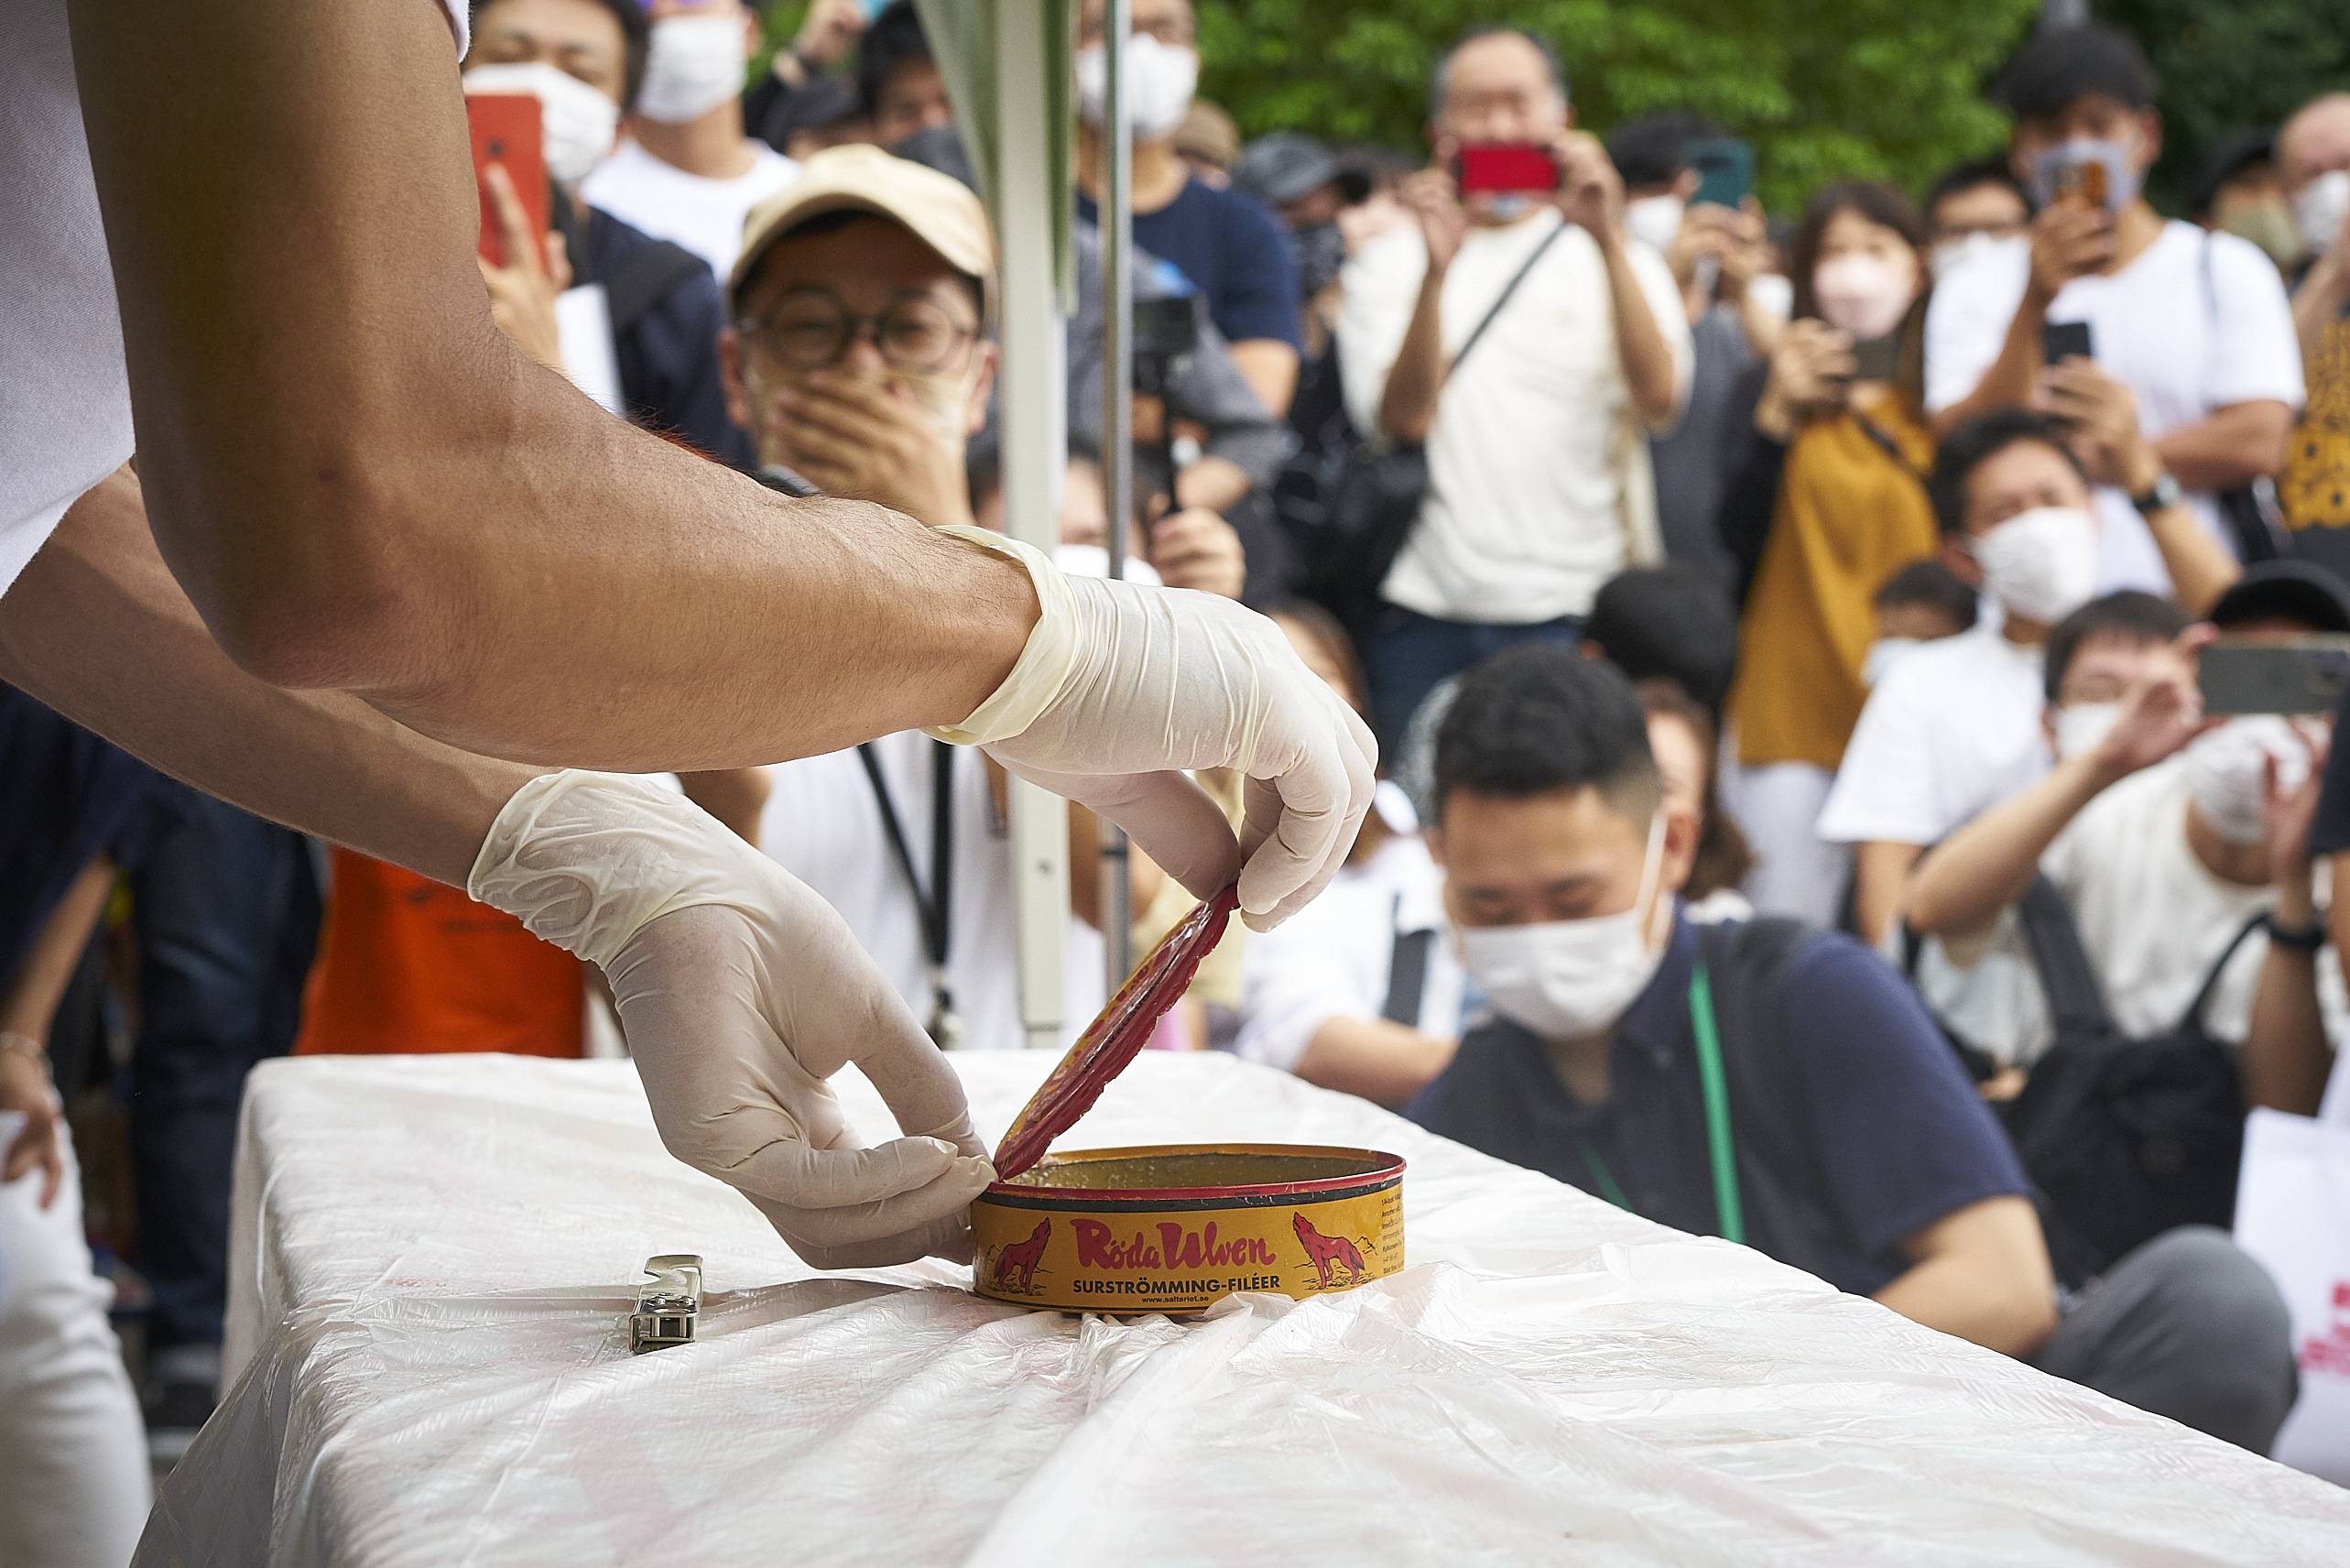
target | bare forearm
[
  {"x": 97, "y": 628},
  {"x": 1215, "y": 482},
  {"x": 2286, "y": 1057},
  {"x": 1647, "y": 359},
  {"x": 735, "y": 796},
  {"x": 1962, "y": 883},
  {"x": 28, "y": 999},
  {"x": 366, "y": 489},
  {"x": 2009, "y": 383},
  {"x": 2232, "y": 446},
  {"x": 1959, "y": 1295},
  {"x": 1380, "y": 1061},
  {"x": 1879, "y": 872},
  {"x": 2201, "y": 568},
  {"x": 1271, "y": 368},
  {"x": 1407, "y": 407}
]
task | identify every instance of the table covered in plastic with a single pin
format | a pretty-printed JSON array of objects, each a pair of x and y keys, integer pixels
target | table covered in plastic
[{"x": 434, "y": 1259}]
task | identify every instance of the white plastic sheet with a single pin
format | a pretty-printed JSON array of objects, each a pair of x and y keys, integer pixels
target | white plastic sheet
[{"x": 433, "y": 1258}]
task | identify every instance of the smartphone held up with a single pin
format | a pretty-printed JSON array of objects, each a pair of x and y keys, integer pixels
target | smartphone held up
[
  {"x": 508, "y": 131},
  {"x": 2297, "y": 675},
  {"x": 1505, "y": 168}
]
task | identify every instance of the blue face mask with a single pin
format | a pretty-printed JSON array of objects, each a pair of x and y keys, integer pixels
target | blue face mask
[{"x": 2050, "y": 170}]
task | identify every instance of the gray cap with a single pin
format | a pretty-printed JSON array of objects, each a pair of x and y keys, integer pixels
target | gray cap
[{"x": 1281, "y": 168}]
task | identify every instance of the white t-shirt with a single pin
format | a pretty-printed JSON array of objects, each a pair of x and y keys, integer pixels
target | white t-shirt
[
  {"x": 822, "y": 824},
  {"x": 2153, "y": 920},
  {"x": 1333, "y": 958},
  {"x": 65, "y": 402},
  {"x": 2197, "y": 321},
  {"x": 704, "y": 215},
  {"x": 1539, "y": 484},
  {"x": 1950, "y": 729}
]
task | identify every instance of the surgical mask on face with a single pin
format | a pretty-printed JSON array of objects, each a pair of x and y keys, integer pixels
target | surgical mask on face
[
  {"x": 694, "y": 65},
  {"x": 1959, "y": 249},
  {"x": 2227, "y": 773},
  {"x": 577, "y": 121},
  {"x": 1883, "y": 655},
  {"x": 2040, "y": 565},
  {"x": 2319, "y": 209},
  {"x": 1654, "y": 221},
  {"x": 2081, "y": 727},
  {"x": 1570, "y": 979},
  {"x": 1160, "y": 79},
  {"x": 1775, "y": 292},
  {"x": 1865, "y": 296},
  {"x": 1508, "y": 206},
  {"x": 2269, "y": 225},
  {"x": 2119, "y": 159}
]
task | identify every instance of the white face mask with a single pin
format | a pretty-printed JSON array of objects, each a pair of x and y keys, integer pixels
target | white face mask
[
  {"x": 1654, "y": 221},
  {"x": 1864, "y": 295},
  {"x": 2081, "y": 727},
  {"x": 2040, "y": 565},
  {"x": 2227, "y": 773},
  {"x": 1570, "y": 979},
  {"x": 695, "y": 64},
  {"x": 579, "y": 121},
  {"x": 1883, "y": 655},
  {"x": 2319, "y": 208},
  {"x": 1960, "y": 249},
  {"x": 1160, "y": 79}
]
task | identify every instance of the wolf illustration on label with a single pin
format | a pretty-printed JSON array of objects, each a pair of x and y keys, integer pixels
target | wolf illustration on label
[
  {"x": 1020, "y": 1259},
  {"x": 1328, "y": 1252}
]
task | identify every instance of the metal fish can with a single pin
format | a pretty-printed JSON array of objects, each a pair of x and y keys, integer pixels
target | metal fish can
[{"x": 1178, "y": 1227}]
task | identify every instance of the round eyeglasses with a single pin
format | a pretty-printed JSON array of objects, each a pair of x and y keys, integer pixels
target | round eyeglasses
[{"x": 812, "y": 329}]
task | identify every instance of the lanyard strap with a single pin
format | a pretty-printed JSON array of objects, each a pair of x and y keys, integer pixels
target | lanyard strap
[
  {"x": 1725, "y": 1159},
  {"x": 931, "y": 906},
  {"x": 1722, "y": 1156}
]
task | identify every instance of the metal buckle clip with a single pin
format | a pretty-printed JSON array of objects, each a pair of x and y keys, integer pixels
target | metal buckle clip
[{"x": 668, "y": 1304}]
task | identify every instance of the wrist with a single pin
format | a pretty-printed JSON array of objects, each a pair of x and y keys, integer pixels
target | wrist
[
  {"x": 15, "y": 1042},
  {"x": 1048, "y": 654},
  {"x": 2141, "y": 469},
  {"x": 2296, "y": 896}
]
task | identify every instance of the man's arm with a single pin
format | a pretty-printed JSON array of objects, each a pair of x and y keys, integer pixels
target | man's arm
[
  {"x": 163, "y": 689},
  {"x": 28, "y": 1003},
  {"x": 2229, "y": 446},
  {"x": 2069, "y": 239},
  {"x": 1271, "y": 368},
  {"x": 1982, "y": 1273},
  {"x": 1880, "y": 872},
  {"x": 2286, "y": 1055},
  {"x": 1650, "y": 372},
  {"x": 364, "y": 486},
  {"x": 1384, "y": 1063},
  {"x": 1962, "y": 883}
]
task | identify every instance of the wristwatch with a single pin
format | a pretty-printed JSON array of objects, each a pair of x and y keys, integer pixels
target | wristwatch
[
  {"x": 2296, "y": 938},
  {"x": 2160, "y": 496}
]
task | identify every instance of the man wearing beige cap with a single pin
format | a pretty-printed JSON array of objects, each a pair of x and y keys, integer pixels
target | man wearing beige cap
[{"x": 371, "y": 549}]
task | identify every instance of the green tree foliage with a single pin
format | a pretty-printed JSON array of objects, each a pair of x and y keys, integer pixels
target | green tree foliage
[
  {"x": 2228, "y": 67},
  {"x": 1826, "y": 89}
]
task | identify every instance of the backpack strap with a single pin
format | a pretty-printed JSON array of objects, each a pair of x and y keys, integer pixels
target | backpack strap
[
  {"x": 1507, "y": 290},
  {"x": 2193, "y": 1017},
  {"x": 2076, "y": 1001},
  {"x": 1406, "y": 968},
  {"x": 644, "y": 278}
]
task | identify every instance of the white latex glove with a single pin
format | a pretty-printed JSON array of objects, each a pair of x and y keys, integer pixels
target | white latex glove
[
  {"x": 1122, "y": 687},
  {"x": 741, "y": 992}
]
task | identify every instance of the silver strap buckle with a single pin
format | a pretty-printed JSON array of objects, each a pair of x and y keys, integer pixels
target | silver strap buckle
[{"x": 668, "y": 1304}]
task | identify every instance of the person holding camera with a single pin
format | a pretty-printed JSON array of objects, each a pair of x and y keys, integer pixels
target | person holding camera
[
  {"x": 2195, "y": 324},
  {"x": 1539, "y": 483}
]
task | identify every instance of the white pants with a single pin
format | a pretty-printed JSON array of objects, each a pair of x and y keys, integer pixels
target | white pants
[
  {"x": 1778, "y": 804},
  {"x": 74, "y": 1468}
]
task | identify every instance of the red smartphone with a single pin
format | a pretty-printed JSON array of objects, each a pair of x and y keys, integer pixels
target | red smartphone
[
  {"x": 1505, "y": 167},
  {"x": 507, "y": 132}
]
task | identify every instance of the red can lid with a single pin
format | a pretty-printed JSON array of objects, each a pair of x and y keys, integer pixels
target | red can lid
[{"x": 1114, "y": 1037}]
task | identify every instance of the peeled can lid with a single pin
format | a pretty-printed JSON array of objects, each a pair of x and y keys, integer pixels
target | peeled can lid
[{"x": 1114, "y": 1037}]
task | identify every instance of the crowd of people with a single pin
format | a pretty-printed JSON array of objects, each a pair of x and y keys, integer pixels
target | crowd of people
[{"x": 1782, "y": 630}]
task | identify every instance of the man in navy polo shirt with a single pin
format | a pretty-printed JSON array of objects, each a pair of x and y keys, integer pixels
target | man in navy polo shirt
[{"x": 1766, "y": 1081}]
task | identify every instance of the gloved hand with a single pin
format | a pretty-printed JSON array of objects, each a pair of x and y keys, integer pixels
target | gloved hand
[
  {"x": 1121, "y": 687},
  {"x": 741, "y": 992}
]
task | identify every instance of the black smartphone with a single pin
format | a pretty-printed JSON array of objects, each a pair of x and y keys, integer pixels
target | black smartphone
[
  {"x": 2303, "y": 675},
  {"x": 1878, "y": 359},
  {"x": 2060, "y": 340}
]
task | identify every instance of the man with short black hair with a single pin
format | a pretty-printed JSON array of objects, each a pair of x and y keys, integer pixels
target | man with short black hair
[
  {"x": 1971, "y": 209},
  {"x": 1671, "y": 621},
  {"x": 898, "y": 78},
  {"x": 1765, "y": 1082},
  {"x": 1956, "y": 726},
  {"x": 2168, "y": 837},
  {"x": 2195, "y": 324},
  {"x": 1540, "y": 486}
]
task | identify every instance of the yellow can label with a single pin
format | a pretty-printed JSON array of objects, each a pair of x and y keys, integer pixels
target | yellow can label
[{"x": 1127, "y": 1258}]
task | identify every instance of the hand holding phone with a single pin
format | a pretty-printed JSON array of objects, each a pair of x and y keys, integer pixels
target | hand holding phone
[{"x": 2060, "y": 340}]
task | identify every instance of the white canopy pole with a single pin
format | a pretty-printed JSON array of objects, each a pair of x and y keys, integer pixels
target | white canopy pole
[
  {"x": 1116, "y": 214},
  {"x": 1035, "y": 435}
]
